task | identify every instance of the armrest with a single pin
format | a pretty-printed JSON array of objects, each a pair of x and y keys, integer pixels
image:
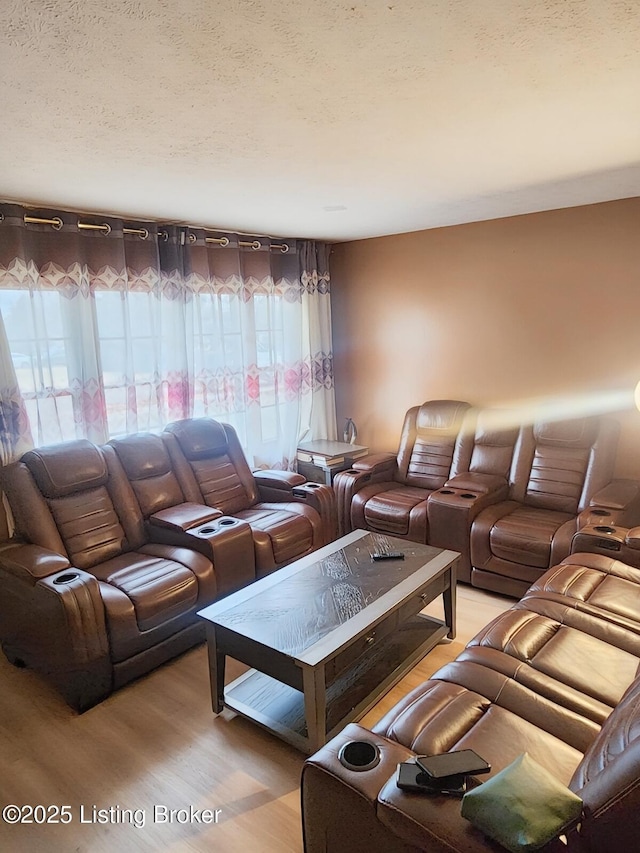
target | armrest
[
  {"x": 31, "y": 563},
  {"x": 377, "y": 464},
  {"x": 481, "y": 484},
  {"x": 184, "y": 516},
  {"x": 76, "y": 653},
  {"x": 375, "y": 468},
  {"x": 621, "y": 498},
  {"x": 322, "y": 498},
  {"x": 77, "y": 594},
  {"x": 619, "y": 542},
  {"x": 277, "y": 485},
  {"x": 632, "y": 539},
  {"x": 452, "y": 509},
  {"x": 339, "y": 804},
  {"x": 56, "y": 624}
]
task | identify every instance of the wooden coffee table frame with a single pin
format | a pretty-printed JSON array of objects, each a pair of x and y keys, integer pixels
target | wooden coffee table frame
[{"x": 307, "y": 699}]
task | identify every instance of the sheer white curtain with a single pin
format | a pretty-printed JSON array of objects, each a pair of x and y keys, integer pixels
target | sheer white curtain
[
  {"x": 117, "y": 330},
  {"x": 259, "y": 324},
  {"x": 62, "y": 294}
]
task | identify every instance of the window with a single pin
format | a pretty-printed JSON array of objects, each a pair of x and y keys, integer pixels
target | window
[
  {"x": 114, "y": 330},
  {"x": 41, "y": 353}
]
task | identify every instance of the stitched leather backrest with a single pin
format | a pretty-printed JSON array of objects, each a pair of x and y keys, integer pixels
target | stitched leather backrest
[
  {"x": 199, "y": 438},
  {"x": 493, "y": 444},
  {"x": 561, "y": 457},
  {"x": 428, "y": 441},
  {"x": 218, "y": 464},
  {"x": 61, "y": 469},
  {"x": 72, "y": 478},
  {"x": 146, "y": 462},
  {"x": 608, "y": 779}
]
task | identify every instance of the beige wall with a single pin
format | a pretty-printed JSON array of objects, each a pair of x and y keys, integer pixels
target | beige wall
[{"x": 544, "y": 307}]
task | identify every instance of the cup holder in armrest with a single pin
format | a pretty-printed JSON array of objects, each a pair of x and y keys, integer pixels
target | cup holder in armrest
[
  {"x": 359, "y": 755},
  {"x": 67, "y": 577},
  {"x": 468, "y": 495},
  {"x": 312, "y": 485},
  {"x": 446, "y": 492},
  {"x": 208, "y": 529},
  {"x": 599, "y": 512},
  {"x": 604, "y": 528}
]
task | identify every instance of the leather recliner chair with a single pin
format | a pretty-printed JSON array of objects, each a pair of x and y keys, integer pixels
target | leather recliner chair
[
  {"x": 171, "y": 519},
  {"x": 560, "y": 481},
  {"x": 388, "y": 493},
  {"x": 288, "y": 517},
  {"x": 88, "y": 599}
]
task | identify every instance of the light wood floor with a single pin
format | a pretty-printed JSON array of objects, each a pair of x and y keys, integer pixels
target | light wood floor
[{"x": 157, "y": 743}]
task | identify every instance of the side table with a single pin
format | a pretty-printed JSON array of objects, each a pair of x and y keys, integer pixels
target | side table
[{"x": 319, "y": 461}]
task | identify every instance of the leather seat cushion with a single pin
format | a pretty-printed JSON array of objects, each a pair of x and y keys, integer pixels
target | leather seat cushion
[
  {"x": 160, "y": 589},
  {"x": 525, "y": 535},
  {"x": 290, "y": 532},
  {"x": 390, "y": 511}
]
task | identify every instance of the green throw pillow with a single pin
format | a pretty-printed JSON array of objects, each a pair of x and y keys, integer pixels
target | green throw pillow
[{"x": 522, "y": 807}]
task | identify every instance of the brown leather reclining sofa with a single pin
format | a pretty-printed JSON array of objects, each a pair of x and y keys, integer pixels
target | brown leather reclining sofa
[
  {"x": 118, "y": 547},
  {"x": 508, "y": 497},
  {"x": 555, "y": 676}
]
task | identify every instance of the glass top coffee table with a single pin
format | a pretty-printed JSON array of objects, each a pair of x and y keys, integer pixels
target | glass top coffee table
[{"x": 328, "y": 635}]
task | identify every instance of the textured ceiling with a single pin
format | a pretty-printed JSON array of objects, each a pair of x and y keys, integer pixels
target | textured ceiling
[{"x": 334, "y": 120}]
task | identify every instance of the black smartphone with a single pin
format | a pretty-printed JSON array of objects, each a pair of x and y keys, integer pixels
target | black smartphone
[
  {"x": 464, "y": 762},
  {"x": 412, "y": 778}
]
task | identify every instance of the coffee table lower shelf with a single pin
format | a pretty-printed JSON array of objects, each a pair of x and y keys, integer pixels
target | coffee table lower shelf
[{"x": 281, "y": 709}]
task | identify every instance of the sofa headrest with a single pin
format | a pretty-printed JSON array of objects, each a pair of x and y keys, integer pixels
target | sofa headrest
[
  {"x": 199, "y": 438},
  {"x": 61, "y": 469},
  {"x": 142, "y": 455},
  {"x": 578, "y": 433},
  {"x": 491, "y": 429},
  {"x": 445, "y": 415}
]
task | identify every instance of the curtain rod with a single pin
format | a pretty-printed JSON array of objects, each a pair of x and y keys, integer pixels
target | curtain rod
[{"x": 57, "y": 223}]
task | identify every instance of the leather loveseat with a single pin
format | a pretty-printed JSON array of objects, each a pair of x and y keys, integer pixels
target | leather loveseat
[
  {"x": 112, "y": 557},
  {"x": 555, "y": 676},
  {"x": 508, "y": 497}
]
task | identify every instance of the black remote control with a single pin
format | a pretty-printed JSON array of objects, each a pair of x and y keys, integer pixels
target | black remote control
[{"x": 388, "y": 555}]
